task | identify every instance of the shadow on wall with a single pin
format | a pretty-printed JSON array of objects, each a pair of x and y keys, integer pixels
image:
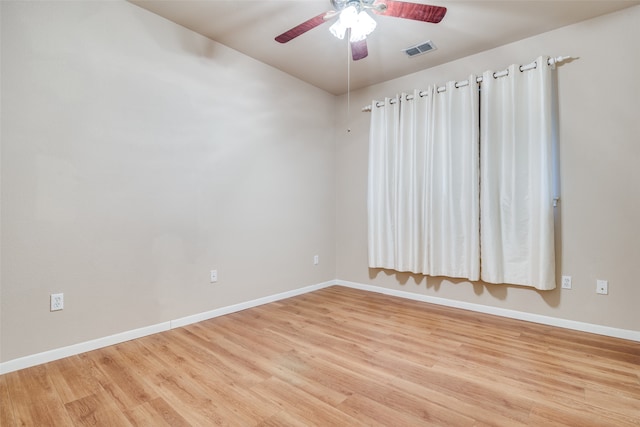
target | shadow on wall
[
  {"x": 189, "y": 42},
  {"x": 497, "y": 291}
]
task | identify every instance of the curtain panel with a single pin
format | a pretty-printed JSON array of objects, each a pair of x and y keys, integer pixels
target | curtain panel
[
  {"x": 517, "y": 187},
  {"x": 423, "y": 199},
  {"x": 460, "y": 182}
]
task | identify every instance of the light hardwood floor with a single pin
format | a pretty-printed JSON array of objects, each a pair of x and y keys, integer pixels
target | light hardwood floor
[{"x": 338, "y": 357}]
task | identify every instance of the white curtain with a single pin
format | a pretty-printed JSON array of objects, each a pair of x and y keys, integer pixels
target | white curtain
[
  {"x": 465, "y": 190},
  {"x": 517, "y": 230},
  {"x": 423, "y": 199}
]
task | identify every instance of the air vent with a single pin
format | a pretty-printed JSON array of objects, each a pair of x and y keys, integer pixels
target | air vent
[{"x": 419, "y": 49}]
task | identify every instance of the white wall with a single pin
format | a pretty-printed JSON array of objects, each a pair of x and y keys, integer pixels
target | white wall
[
  {"x": 598, "y": 234},
  {"x": 138, "y": 155}
]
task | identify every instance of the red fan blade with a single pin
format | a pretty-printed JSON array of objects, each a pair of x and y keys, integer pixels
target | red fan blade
[
  {"x": 419, "y": 12},
  {"x": 303, "y": 28},
  {"x": 359, "y": 49}
]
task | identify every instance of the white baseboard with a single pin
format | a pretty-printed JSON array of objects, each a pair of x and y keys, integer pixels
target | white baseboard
[
  {"x": 244, "y": 305},
  {"x": 503, "y": 312},
  {"x": 59, "y": 353}
]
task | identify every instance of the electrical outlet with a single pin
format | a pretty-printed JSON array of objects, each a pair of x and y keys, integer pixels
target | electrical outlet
[
  {"x": 566, "y": 282},
  {"x": 316, "y": 259},
  {"x": 602, "y": 287},
  {"x": 57, "y": 302},
  {"x": 213, "y": 275}
]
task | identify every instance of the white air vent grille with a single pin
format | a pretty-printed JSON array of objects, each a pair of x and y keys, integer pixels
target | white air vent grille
[{"x": 419, "y": 49}]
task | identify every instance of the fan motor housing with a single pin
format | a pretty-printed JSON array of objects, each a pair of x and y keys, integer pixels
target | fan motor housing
[{"x": 343, "y": 4}]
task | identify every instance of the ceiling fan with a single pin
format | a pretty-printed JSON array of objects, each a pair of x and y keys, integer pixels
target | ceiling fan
[{"x": 354, "y": 20}]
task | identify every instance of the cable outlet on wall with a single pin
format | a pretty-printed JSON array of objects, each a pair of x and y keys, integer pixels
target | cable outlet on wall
[
  {"x": 57, "y": 302},
  {"x": 213, "y": 276},
  {"x": 602, "y": 287},
  {"x": 566, "y": 282}
]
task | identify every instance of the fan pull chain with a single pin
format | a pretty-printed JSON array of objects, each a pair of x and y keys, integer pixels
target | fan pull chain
[{"x": 348, "y": 84}]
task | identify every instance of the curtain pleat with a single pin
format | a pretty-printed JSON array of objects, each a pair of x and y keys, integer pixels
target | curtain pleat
[
  {"x": 411, "y": 161},
  {"x": 381, "y": 184},
  {"x": 517, "y": 228},
  {"x": 453, "y": 175}
]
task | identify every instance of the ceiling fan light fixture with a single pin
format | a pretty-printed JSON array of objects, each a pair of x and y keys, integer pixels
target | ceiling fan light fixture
[
  {"x": 361, "y": 24},
  {"x": 347, "y": 19},
  {"x": 349, "y": 16},
  {"x": 338, "y": 29},
  {"x": 365, "y": 26}
]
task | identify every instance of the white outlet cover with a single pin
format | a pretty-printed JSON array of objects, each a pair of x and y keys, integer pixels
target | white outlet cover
[
  {"x": 602, "y": 287},
  {"x": 566, "y": 282},
  {"x": 57, "y": 302}
]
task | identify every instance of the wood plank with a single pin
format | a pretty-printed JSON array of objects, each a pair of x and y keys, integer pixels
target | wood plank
[
  {"x": 6, "y": 407},
  {"x": 156, "y": 413},
  {"x": 304, "y": 406},
  {"x": 34, "y": 399},
  {"x": 73, "y": 378},
  {"x": 95, "y": 410},
  {"x": 203, "y": 386},
  {"x": 119, "y": 379}
]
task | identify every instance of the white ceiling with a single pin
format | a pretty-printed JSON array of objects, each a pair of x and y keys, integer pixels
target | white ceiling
[{"x": 320, "y": 59}]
